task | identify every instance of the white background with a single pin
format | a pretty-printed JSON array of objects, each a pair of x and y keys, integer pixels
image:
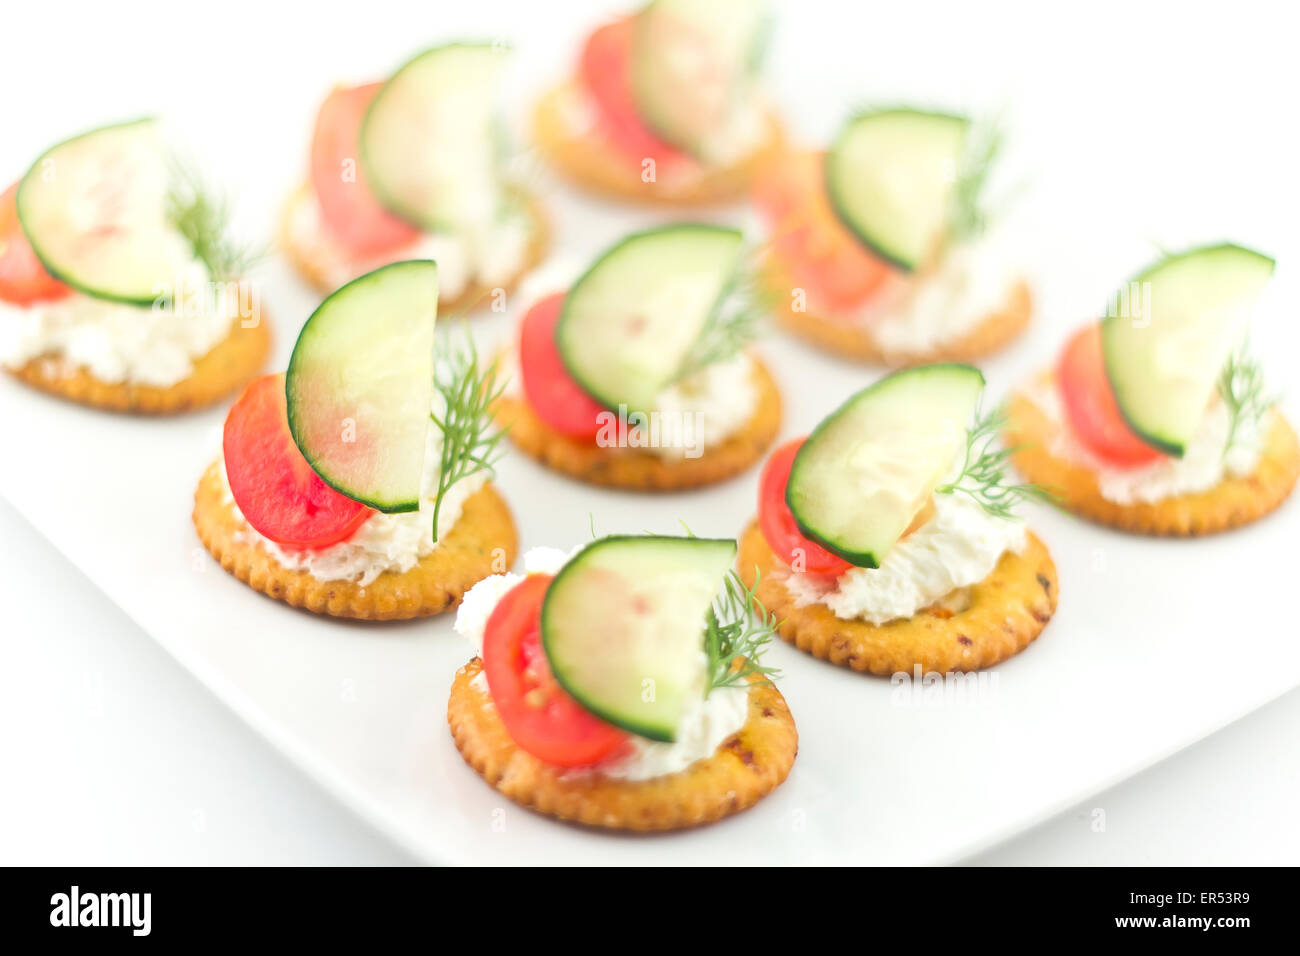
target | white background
[{"x": 1146, "y": 123}]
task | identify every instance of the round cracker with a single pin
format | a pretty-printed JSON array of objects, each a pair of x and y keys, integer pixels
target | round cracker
[
  {"x": 230, "y": 365},
  {"x": 315, "y": 260},
  {"x": 1231, "y": 503},
  {"x": 1003, "y": 615},
  {"x": 482, "y": 542},
  {"x": 746, "y": 767},
  {"x": 592, "y": 162},
  {"x": 637, "y": 469},
  {"x": 850, "y": 339}
]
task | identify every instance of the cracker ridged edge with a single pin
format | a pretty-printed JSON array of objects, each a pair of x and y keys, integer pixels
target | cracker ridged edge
[
  {"x": 1007, "y": 612},
  {"x": 638, "y": 470},
  {"x": 481, "y": 543},
  {"x": 1232, "y": 503},
  {"x": 746, "y": 767},
  {"x": 225, "y": 369}
]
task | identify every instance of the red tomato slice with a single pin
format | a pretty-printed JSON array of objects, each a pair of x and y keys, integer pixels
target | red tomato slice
[
  {"x": 551, "y": 391},
  {"x": 275, "y": 488},
  {"x": 778, "y": 525},
  {"x": 823, "y": 255},
  {"x": 539, "y": 715},
  {"x": 349, "y": 208},
  {"x": 605, "y": 70},
  {"x": 1090, "y": 404},
  {"x": 23, "y": 280}
]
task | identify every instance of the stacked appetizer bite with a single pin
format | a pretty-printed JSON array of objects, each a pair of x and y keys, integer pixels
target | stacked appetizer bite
[
  {"x": 888, "y": 539},
  {"x": 413, "y": 168},
  {"x": 665, "y": 107},
  {"x": 621, "y": 686},
  {"x": 1155, "y": 420},
  {"x": 119, "y": 285},
  {"x": 637, "y": 377},
  {"x": 879, "y": 250},
  {"x": 355, "y": 484}
]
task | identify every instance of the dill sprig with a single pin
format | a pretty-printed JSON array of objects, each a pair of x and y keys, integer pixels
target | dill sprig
[
  {"x": 468, "y": 390},
  {"x": 967, "y": 216},
  {"x": 202, "y": 216},
  {"x": 1241, "y": 386},
  {"x": 983, "y": 475},
  {"x": 738, "y": 631},
  {"x": 734, "y": 324}
]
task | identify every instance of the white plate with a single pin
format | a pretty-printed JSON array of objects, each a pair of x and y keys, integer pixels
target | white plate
[{"x": 1155, "y": 644}]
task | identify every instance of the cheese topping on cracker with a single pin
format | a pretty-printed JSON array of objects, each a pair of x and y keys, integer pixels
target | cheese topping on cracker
[
  {"x": 1204, "y": 465},
  {"x": 973, "y": 281},
  {"x": 119, "y": 343},
  {"x": 958, "y": 547}
]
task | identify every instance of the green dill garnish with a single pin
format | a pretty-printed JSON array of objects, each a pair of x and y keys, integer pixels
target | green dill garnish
[
  {"x": 734, "y": 324},
  {"x": 737, "y": 633},
  {"x": 967, "y": 216},
  {"x": 1241, "y": 386},
  {"x": 983, "y": 476},
  {"x": 467, "y": 391},
  {"x": 202, "y": 217}
]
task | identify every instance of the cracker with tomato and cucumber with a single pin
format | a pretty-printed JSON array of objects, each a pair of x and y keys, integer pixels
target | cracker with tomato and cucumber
[
  {"x": 356, "y": 484},
  {"x": 414, "y": 168},
  {"x": 665, "y": 107},
  {"x": 622, "y": 686},
  {"x": 1157, "y": 420},
  {"x": 889, "y": 539},
  {"x": 879, "y": 249},
  {"x": 639, "y": 375},
  {"x": 120, "y": 285}
]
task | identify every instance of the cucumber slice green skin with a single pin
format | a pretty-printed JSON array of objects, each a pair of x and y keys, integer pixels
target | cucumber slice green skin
[
  {"x": 428, "y": 140},
  {"x": 826, "y": 505},
  {"x": 626, "y": 616},
  {"x": 359, "y": 387},
  {"x": 629, "y": 322},
  {"x": 683, "y": 108},
  {"x": 138, "y": 271},
  {"x": 889, "y": 177},
  {"x": 1216, "y": 283}
]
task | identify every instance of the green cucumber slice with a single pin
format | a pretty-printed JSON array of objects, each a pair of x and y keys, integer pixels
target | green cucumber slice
[
  {"x": 889, "y": 177},
  {"x": 1163, "y": 366},
  {"x": 629, "y": 322},
  {"x": 871, "y": 465},
  {"x": 690, "y": 61},
  {"x": 428, "y": 141},
  {"x": 623, "y": 626},
  {"x": 94, "y": 209},
  {"x": 360, "y": 385}
]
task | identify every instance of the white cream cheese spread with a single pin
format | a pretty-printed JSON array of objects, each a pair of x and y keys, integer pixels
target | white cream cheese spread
[
  {"x": 704, "y": 410},
  {"x": 1204, "y": 464},
  {"x": 973, "y": 281},
  {"x": 959, "y": 546},
  {"x": 115, "y": 342},
  {"x": 490, "y": 255},
  {"x": 385, "y": 542}
]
